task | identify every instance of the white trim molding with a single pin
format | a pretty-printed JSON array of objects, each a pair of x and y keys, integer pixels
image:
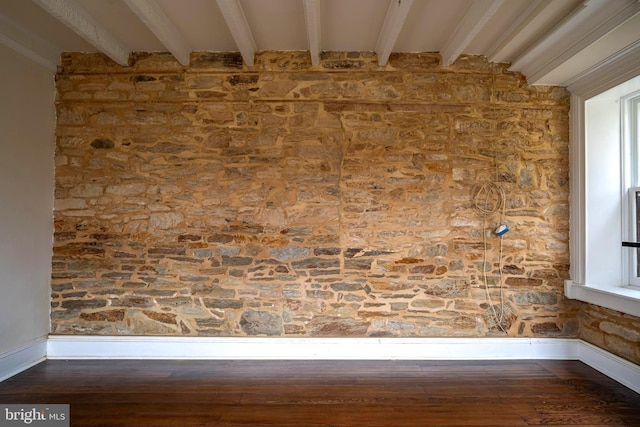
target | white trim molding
[
  {"x": 76, "y": 347},
  {"x": 624, "y": 299},
  {"x": 111, "y": 347},
  {"x": 616, "y": 368},
  {"x": 22, "y": 358},
  {"x": 616, "y": 70}
]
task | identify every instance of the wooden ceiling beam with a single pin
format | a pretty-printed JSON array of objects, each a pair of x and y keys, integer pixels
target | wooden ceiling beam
[
  {"x": 480, "y": 12},
  {"x": 312, "y": 18},
  {"x": 162, "y": 27},
  {"x": 590, "y": 21},
  {"x": 519, "y": 32},
  {"x": 240, "y": 31},
  {"x": 28, "y": 44},
  {"x": 393, "y": 23},
  {"x": 82, "y": 23}
]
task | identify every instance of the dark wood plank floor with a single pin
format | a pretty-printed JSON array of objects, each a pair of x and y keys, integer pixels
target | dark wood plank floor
[{"x": 327, "y": 393}]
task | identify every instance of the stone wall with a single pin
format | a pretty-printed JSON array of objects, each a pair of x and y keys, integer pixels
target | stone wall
[
  {"x": 616, "y": 332},
  {"x": 292, "y": 200}
]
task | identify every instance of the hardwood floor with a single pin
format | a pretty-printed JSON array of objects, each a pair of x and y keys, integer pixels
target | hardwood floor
[{"x": 327, "y": 393}]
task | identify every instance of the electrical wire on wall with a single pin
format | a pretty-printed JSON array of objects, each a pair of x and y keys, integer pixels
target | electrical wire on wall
[{"x": 490, "y": 199}]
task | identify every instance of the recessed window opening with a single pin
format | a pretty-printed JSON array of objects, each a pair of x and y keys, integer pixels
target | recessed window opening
[
  {"x": 630, "y": 115},
  {"x": 612, "y": 185}
]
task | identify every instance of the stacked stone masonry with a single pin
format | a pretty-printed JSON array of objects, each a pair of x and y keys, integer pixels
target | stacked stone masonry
[{"x": 287, "y": 199}]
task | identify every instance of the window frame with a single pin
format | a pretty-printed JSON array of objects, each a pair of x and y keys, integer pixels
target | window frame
[
  {"x": 630, "y": 118},
  {"x": 615, "y": 71},
  {"x": 631, "y": 255}
]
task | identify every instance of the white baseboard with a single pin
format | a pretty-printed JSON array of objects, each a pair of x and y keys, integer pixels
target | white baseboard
[
  {"x": 97, "y": 347},
  {"x": 614, "y": 367},
  {"x": 21, "y": 358},
  {"x": 227, "y": 348},
  {"x": 110, "y": 347}
]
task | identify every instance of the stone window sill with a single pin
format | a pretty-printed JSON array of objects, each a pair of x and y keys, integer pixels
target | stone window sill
[{"x": 623, "y": 299}]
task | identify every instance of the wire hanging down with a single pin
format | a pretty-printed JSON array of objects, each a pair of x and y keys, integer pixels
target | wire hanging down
[{"x": 490, "y": 199}]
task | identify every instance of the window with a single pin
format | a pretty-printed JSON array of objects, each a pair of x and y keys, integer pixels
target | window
[
  {"x": 630, "y": 110},
  {"x": 605, "y": 189},
  {"x": 631, "y": 259}
]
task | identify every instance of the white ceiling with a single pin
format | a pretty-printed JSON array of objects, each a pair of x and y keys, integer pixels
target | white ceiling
[{"x": 550, "y": 41}]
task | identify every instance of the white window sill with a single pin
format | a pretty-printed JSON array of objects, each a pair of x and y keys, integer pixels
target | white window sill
[{"x": 623, "y": 299}]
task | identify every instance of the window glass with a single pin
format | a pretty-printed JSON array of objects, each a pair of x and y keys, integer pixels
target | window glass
[{"x": 630, "y": 114}]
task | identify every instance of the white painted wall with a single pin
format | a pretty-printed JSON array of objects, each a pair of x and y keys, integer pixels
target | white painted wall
[
  {"x": 603, "y": 200},
  {"x": 27, "y": 121}
]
